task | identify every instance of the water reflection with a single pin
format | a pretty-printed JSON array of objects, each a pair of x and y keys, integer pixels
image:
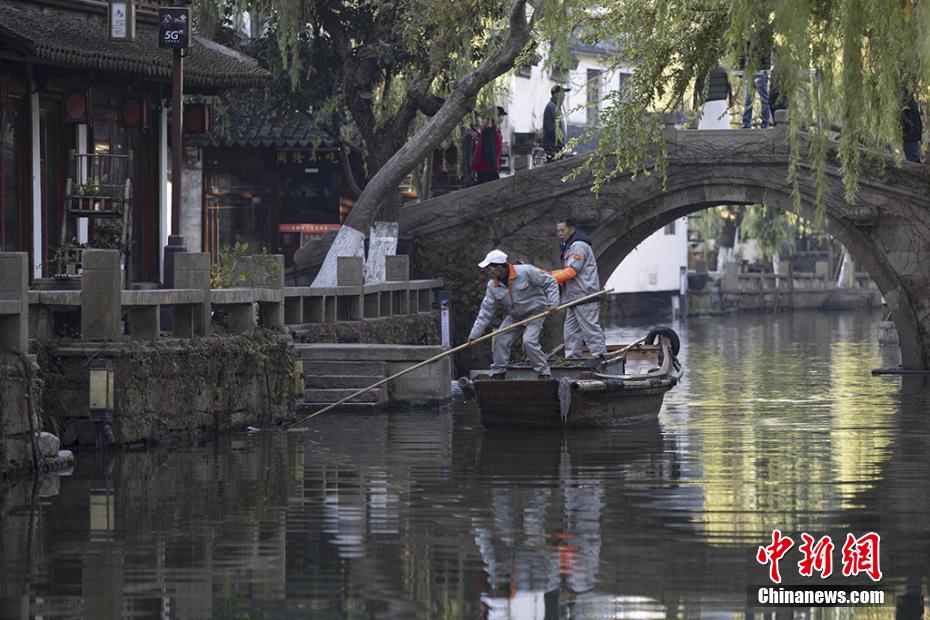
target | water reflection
[
  {"x": 423, "y": 514},
  {"x": 541, "y": 542}
]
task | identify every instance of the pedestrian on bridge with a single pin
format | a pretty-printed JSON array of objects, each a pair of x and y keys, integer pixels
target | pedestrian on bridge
[
  {"x": 577, "y": 278},
  {"x": 522, "y": 291},
  {"x": 553, "y": 136},
  {"x": 486, "y": 161},
  {"x": 758, "y": 79},
  {"x": 714, "y": 111}
]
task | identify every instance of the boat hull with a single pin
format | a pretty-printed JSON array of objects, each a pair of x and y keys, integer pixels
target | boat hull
[{"x": 535, "y": 403}]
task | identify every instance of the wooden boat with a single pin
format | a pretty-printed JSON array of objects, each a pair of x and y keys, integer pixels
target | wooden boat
[{"x": 628, "y": 387}]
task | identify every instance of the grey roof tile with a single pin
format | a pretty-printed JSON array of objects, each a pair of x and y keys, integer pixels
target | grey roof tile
[{"x": 81, "y": 41}]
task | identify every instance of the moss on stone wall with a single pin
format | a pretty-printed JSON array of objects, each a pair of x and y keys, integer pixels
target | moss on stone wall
[
  {"x": 419, "y": 329},
  {"x": 173, "y": 387},
  {"x": 16, "y": 433}
]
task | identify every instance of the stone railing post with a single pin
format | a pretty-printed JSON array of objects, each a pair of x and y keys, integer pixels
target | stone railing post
[
  {"x": 822, "y": 269},
  {"x": 350, "y": 271},
  {"x": 397, "y": 268},
  {"x": 101, "y": 306},
  {"x": 268, "y": 273},
  {"x": 192, "y": 270},
  {"x": 14, "y": 296},
  {"x": 731, "y": 277}
]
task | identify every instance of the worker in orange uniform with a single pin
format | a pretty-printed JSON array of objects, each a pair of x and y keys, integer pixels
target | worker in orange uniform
[
  {"x": 522, "y": 291},
  {"x": 578, "y": 278}
]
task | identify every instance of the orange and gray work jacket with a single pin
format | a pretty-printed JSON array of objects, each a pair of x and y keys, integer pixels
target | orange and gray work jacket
[
  {"x": 528, "y": 291},
  {"x": 578, "y": 275}
]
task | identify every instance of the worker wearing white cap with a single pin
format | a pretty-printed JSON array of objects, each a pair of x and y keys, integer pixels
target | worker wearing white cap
[{"x": 522, "y": 290}]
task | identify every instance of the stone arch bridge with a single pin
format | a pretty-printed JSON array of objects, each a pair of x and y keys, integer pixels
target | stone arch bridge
[{"x": 887, "y": 230}]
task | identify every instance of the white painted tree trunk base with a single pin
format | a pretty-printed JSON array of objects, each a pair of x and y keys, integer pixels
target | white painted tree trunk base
[
  {"x": 724, "y": 256},
  {"x": 348, "y": 242},
  {"x": 847, "y": 277},
  {"x": 382, "y": 242}
]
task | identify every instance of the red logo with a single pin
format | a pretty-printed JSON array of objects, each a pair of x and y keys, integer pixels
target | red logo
[
  {"x": 860, "y": 555},
  {"x": 773, "y": 553},
  {"x": 817, "y": 557}
]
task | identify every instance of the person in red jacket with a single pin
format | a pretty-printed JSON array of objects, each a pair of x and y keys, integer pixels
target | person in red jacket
[{"x": 486, "y": 161}]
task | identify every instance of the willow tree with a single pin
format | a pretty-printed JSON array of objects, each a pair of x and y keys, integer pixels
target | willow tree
[
  {"x": 386, "y": 65},
  {"x": 841, "y": 64},
  {"x": 381, "y": 189}
]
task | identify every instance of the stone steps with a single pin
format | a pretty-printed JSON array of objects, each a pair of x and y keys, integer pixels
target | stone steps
[
  {"x": 332, "y": 395},
  {"x": 341, "y": 381},
  {"x": 349, "y": 407},
  {"x": 335, "y": 371},
  {"x": 343, "y": 369}
]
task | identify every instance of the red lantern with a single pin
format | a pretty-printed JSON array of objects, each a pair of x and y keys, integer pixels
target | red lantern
[
  {"x": 77, "y": 106},
  {"x": 196, "y": 118},
  {"x": 134, "y": 112}
]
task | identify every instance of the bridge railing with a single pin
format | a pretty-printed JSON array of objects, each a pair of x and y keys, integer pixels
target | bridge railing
[
  {"x": 736, "y": 282},
  {"x": 102, "y": 311}
]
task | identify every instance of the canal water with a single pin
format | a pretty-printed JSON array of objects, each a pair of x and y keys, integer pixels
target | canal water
[{"x": 423, "y": 514}]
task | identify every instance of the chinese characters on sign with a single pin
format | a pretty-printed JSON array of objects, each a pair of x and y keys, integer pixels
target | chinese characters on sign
[
  {"x": 310, "y": 229},
  {"x": 300, "y": 157},
  {"x": 859, "y": 555},
  {"x": 121, "y": 20}
]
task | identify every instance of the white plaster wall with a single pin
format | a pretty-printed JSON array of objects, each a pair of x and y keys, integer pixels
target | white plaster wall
[
  {"x": 528, "y": 99},
  {"x": 655, "y": 264},
  {"x": 529, "y": 96}
]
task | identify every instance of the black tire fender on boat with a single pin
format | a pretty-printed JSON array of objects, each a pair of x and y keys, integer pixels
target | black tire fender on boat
[{"x": 669, "y": 333}]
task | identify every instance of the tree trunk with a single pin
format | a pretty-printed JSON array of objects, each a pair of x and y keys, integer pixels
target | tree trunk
[
  {"x": 726, "y": 240},
  {"x": 351, "y": 237},
  {"x": 428, "y": 179}
]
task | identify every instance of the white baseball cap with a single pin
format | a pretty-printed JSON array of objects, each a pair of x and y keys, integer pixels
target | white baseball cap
[{"x": 494, "y": 256}]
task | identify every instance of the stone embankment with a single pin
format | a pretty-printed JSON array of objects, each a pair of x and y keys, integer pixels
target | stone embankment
[
  {"x": 194, "y": 359},
  {"x": 733, "y": 292}
]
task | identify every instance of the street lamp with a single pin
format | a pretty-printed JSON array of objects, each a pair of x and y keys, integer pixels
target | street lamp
[
  {"x": 101, "y": 401},
  {"x": 101, "y": 391}
]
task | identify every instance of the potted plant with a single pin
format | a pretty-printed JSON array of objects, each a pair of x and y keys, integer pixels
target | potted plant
[{"x": 65, "y": 262}]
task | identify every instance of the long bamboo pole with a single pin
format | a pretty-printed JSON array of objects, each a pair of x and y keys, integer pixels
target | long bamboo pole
[{"x": 470, "y": 343}]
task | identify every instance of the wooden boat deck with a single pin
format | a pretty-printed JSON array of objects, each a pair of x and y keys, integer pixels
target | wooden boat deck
[{"x": 580, "y": 395}]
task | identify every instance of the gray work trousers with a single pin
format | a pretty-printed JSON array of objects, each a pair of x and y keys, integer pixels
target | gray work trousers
[
  {"x": 500, "y": 346},
  {"x": 583, "y": 326}
]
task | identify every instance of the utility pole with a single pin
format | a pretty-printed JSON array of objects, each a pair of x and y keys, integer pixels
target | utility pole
[
  {"x": 174, "y": 33},
  {"x": 177, "y": 119}
]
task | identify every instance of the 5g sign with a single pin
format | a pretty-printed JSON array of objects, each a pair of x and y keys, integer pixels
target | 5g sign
[{"x": 174, "y": 27}]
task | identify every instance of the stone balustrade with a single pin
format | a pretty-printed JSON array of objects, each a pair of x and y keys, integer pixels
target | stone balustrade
[
  {"x": 262, "y": 300},
  {"x": 735, "y": 282},
  {"x": 14, "y": 305}
]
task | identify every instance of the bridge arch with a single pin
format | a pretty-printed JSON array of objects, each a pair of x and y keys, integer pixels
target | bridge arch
[
  {"x": 887, "y": 230},
  {"x": 618, "y": 235}
]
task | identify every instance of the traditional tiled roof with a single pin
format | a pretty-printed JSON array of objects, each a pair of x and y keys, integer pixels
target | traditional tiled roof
[
  {"x": 81, "y": 40},
  {"x": 601, "y": 48},
  {"x": 247, "y": 121}
]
